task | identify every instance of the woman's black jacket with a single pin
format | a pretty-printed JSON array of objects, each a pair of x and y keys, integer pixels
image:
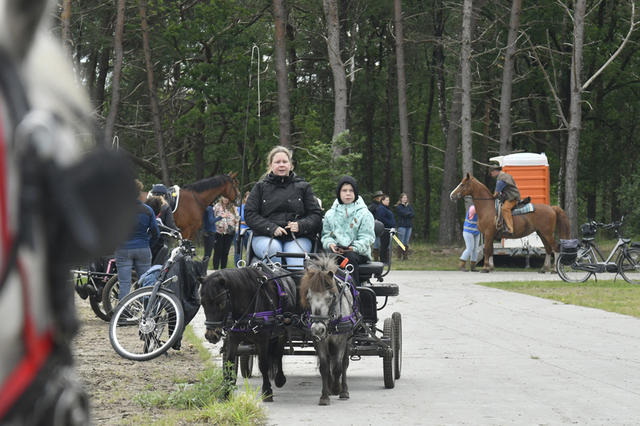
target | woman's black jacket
[{"x": 276, "y": 201}]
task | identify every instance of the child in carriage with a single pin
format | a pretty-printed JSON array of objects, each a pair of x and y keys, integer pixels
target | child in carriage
[{"x": 348, "y": 228}]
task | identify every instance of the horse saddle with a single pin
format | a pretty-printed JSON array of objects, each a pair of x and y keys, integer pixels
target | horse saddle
[{"x": 524, "y": 206}]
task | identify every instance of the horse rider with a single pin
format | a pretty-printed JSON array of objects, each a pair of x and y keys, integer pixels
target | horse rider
[{"x": 507, "y": 188}]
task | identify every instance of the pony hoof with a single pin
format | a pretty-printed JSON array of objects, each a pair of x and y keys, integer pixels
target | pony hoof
[
  {"x": 485, "y": 271},
  {"x": 541, "y": 272},
  {"x": 324, "y": 401},
  {"x": 344, "y": 395},
  {"x": 280, "y": 381},
  {"x": 267, "y": 397}
]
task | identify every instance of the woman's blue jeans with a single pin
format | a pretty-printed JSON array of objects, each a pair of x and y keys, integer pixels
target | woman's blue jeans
[
  {"x": 471, "y": 241},
  {"x": 404, "y": 234},
  {"x": 126, "y": 259},
  {"x": 260, "y": 243}
]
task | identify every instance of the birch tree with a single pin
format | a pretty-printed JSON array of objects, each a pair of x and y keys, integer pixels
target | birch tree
[
  {"x": 153, "y": 100},
  {"x": 284, "y": 105},
  {"x": 507, "y": 79},
  {"x": 337, "y": 69},
  {"x": 117, "y": 72},
  {"x": 407, "y": 167}
]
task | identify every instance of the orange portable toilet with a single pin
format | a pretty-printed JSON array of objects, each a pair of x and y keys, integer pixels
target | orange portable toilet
[{"x": 530, "y": 171}]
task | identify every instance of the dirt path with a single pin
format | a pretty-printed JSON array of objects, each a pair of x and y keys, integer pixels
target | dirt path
[{"x": 111, "y": 381}]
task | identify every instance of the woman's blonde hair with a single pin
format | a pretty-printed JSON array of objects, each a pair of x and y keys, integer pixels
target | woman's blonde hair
[
  {"x": 139, "y": 188},
  {"x": 277, "y": 150},
  {"x": 400, "y": 200}
]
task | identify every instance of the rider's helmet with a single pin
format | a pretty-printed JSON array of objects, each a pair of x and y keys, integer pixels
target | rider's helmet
[{"x": 159, "y": 190}]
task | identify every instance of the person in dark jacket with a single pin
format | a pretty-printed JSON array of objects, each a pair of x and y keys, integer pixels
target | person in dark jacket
[
  {"x": 136, "y": 251},
  {"x": 373, "y": 208},
  {"x": 280, "y": 207},
  {"x": 506, "y": 187},
  {"x": 385, "y": 215},
  {"x": 209, "y": 231},
  {"x": 405, "y": 224}
]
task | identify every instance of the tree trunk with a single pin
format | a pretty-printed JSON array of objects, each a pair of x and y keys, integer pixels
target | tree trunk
[
  {"x": 117, "y": 73},
  {"x": 450, "y": 230},
  {"x": 575, "y": 122},
  {"x": 155, "y": 110},
  {"x": 426, "y": 229},
  {"x": 438, "y": 54},
  {"x": 465, "y": 62},
  {"x": 507, "y": 79},
  {"x": 407, "y": 169},
  {"x": 65, "y": 18},
  {"x": 284, "y": 105},
  {"x": 337, "y": 69}
]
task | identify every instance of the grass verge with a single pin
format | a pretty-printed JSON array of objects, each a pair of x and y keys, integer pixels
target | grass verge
[
  {"x": 613, "y": 296},
  {"x": 200, "y": 402}
]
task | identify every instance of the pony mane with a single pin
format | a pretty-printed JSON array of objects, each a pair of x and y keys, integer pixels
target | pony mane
[
  {"x": 208, "y": 183},
  {"x": 242, "y": 279},
  {"x": 319, "y": 277}
]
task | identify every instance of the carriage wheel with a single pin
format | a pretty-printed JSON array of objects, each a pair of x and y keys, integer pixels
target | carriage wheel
[
  {"x": 110, "y": 293},
  {"x": 246, "y": 366},
  {"x": 397, "y": 356},
  {"x": 387, "y": 358},
  {"x": 98, "y": 309}
]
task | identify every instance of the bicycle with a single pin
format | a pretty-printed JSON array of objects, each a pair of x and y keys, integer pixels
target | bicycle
[
  {"x": 587, "y": 259},
  {"x": 150, "y": 320},
  {"x": 111, "y": 289}
]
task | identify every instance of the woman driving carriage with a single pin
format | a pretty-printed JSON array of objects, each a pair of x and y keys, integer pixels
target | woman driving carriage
[
  {"x": 282, "y": 210},
  {"x": 348, "y": 228}
]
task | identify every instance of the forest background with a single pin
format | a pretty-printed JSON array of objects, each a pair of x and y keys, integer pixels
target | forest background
[{"x": 403, "y": 95}]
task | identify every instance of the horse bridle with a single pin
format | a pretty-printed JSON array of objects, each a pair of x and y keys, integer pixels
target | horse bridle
[{"x": 234, "y": 185}]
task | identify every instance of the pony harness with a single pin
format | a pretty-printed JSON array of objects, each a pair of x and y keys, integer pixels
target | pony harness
[{"x": 337, "y": 323}]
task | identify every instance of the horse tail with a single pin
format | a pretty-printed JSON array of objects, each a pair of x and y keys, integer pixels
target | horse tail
[{"x": 563, "y": 225}]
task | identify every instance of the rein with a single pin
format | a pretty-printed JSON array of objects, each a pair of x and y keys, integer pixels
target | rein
[{"x": 197, "y": 201}]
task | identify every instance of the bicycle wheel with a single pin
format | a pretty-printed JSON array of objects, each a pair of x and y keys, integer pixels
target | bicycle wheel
[
  {"x": 141, "y": 338},
  {"x": 630, "y": 266},
  {"x": 571, "y": 275},
  {"x": 110, "y": 293},
  {"x": 98, "y": 308}
]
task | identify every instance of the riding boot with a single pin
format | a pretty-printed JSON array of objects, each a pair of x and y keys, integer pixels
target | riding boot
[
  {"x": 473, "y": 267},
  {"x": 462, "y": 266}
]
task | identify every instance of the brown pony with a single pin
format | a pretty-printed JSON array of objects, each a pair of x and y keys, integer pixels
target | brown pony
[
  {"x": 195, "y": 197},
  {"x": 543, "y": 220}
]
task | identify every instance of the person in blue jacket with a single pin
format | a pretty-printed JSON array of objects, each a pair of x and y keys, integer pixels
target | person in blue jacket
[
  {"x": 136, "y": 251},
  {"x": 385, "y": 215},
  {"x": 405, "y": 224},
  {"x": 209, "y": 231},
  {"x": 347, "y": 229}
]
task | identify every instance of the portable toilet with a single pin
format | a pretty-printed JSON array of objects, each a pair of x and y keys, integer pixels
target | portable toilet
[{"x": 530, "y": 171}]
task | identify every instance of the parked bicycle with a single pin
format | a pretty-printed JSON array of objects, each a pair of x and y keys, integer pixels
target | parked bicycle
[
  {"x": 150, "y": 320},
  {"x": 578, "y": 261},
  {"x": 111, "y": 289}
]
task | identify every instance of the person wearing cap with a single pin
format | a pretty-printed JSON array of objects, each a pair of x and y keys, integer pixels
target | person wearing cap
[
  {"x": 506, "y": 186},
  {"x": 166, "y": 215},
  {"x": 348, "y": 226},
  {"x": 373, "y": 208}
]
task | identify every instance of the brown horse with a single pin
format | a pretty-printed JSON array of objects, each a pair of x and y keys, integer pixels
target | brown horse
[
  {"x": 195, "y": 197},
  {"x": 543, "y": 220}
]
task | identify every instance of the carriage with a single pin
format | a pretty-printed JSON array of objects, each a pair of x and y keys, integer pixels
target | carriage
[{"x": 368, "y": 339}]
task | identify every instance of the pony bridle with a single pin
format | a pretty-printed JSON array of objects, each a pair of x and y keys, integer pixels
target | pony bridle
[{"x": 214, "y": 325}]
